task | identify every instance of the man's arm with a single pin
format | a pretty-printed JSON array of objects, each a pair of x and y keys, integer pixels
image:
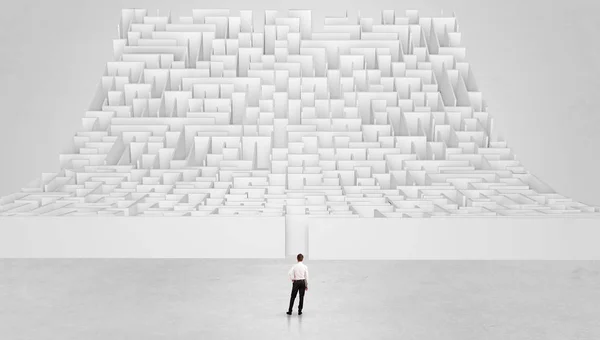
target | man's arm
[{"x": 306, "y": 276}]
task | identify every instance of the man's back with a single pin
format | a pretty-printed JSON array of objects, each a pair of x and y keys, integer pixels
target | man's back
[{"x": 299, "y": 271}]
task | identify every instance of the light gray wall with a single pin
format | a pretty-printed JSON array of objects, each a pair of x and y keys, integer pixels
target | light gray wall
[
  {"x": 142, "y": 237},
  {"x": 537, "y": 65},
  {"x": 478, "y": 238}
]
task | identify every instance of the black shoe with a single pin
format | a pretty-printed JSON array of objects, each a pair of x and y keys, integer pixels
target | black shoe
[
  {"x": 299, "y": 313},
  {"x": 288, "y": 313}
]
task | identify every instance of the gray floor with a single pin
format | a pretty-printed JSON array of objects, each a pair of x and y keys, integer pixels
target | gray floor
[{"x": 245, "y": 299}]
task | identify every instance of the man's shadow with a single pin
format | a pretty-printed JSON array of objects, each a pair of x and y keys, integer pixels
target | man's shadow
[{"x": 289, "y": 322}]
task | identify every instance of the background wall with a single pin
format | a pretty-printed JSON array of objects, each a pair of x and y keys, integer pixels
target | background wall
[
  {"x": 142, "y": 237},
  {"x": 469, "y": 238},
  {"x": 537, "y": 65}
]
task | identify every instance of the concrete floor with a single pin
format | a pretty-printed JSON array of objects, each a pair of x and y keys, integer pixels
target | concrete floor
[{"x": 246, "y": 299}]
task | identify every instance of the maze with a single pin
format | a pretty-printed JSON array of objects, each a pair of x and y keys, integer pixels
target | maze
[{"x": 211, "y": 114}]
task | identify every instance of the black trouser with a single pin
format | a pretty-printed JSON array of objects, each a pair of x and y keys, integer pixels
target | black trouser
[{"x": 298, "y": 285}]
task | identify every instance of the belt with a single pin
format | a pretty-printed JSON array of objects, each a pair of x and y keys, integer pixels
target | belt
[{"x": 300, "y": 280}]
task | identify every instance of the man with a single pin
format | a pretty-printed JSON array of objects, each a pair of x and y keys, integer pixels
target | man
[{"x": 299, "y": 276}]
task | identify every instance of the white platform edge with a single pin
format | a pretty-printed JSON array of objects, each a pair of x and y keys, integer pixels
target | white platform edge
[
  {"x": 142, "y": 237},
  {"x": 487, "y": 238}
]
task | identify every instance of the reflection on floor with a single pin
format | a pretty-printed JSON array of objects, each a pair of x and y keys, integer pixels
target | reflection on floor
[{"x": 246, "y": 299}]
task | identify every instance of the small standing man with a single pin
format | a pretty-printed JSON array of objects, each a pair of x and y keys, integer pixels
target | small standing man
[{"x": 299, "y": 276}]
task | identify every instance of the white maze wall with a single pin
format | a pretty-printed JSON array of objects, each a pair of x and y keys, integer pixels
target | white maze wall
[{"x": 208, "y": 115}]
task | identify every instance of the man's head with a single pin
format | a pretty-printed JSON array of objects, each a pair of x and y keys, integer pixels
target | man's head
[{"x": 300, "y": 257}]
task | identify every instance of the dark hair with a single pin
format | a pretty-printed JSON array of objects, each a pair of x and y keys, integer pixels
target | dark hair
[{"x": 300, "y": 257}]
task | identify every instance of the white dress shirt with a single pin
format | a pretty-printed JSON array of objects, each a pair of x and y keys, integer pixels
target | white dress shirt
[{"x": 298, "y": 272}]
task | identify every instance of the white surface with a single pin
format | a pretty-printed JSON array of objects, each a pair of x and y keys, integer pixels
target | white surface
[
  {"x": 317, "y": 238},
  {"x": 455, "y": 238},
  {"x": 296, "y": 235},
  {"x": 142, "y": 237},
  {"x": 347, "y": 300}
]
